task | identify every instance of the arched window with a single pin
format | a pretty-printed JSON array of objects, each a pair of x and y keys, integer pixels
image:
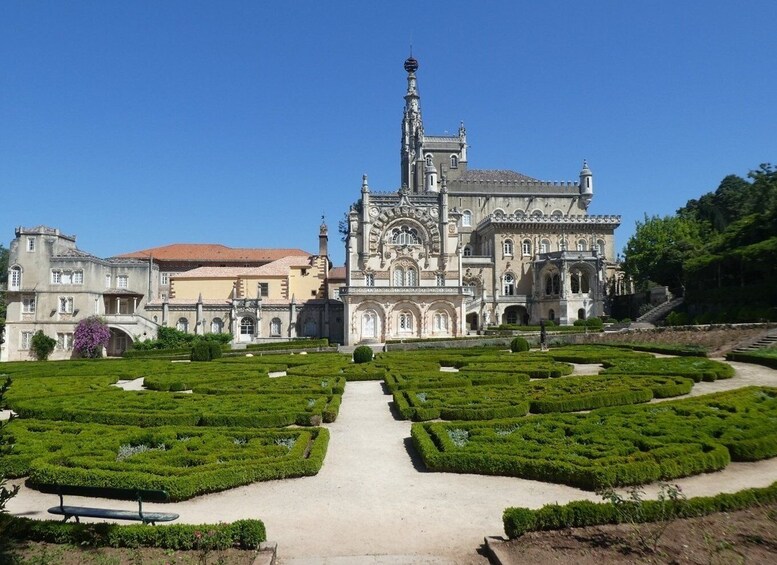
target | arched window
[
  {"x": 247, "y": 327},
  {"x": 536, "y": 214},
  {"x": 182, "y": 325},
  {"x": 556, "y": 214},
  {"x": 499, "y": 213},
  {"x": 600, "y": 247},
  {"x": 399, "y": 276},
  {"x": 216, "y": 326},
  {"x": 454, "y": 162},
  {"x": 428, "y": 160},
  {"x": 405, "y": 322},
  {"x": 581, "y": 245},
  {"x": 552, "y": 315},
  {"x": 508, "y": 288},
  {"x": 369, "y": 325},
  {"x": 526, "y": 247},
  {"x": 544, "y": 246},
  {"x": 411, "y": 278},
  {"x": 520, "y": 214},
  {"x": 466, "y": 218},
  {"x": 441, "y": 322},
  {"x": 552, "y": 284},
  {"x": 405, "y": 235},
  {"x": 556, "y": 284},
  {"x": 507, "y": 247},
  {"x": 585, "y": 284},
  {"x": 467, "y": 251},
  {"x": 581, "y": 314},
  {"x": 575, "y": 282},
  {"x": 15, "y": 280},
  {"x": 275, "y": 327}
]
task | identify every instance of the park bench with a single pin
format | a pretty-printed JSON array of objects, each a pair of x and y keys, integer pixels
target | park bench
[{"x": 108, "y": 513}]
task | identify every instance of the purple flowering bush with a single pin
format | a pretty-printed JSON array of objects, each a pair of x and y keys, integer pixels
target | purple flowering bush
[{"x": 90, "y": 336}]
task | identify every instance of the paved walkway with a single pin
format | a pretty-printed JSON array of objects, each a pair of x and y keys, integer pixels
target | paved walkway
[{"x": 372, "y": 504}]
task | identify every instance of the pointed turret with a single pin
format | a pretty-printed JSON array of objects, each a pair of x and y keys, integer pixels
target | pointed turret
[
  {"x": 586, "y": 183},
  {"x": 412, "y": 130}
]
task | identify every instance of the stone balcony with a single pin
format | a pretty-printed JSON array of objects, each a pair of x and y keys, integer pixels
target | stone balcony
[{"x": 405, "y": 290}]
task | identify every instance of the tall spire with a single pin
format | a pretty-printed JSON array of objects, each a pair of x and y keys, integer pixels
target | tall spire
[{"x": 412, "y": 127}]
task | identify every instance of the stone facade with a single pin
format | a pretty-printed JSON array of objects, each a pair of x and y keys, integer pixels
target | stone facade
[{"x": 457, "y": 249}]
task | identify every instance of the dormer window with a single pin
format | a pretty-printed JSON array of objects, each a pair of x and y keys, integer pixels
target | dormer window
[
  {"x": 454, "y": 162},
  {"x": 428, "y": 160}
]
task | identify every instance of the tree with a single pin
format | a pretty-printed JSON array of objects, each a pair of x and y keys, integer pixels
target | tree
[
  {"x": 90, "y": 337},
  {"x": 42, "y": 345},
  {"x": 659, "y": 247},
  {"x": 3, "y": 281}
]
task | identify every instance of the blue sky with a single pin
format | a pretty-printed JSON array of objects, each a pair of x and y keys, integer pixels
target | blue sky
[{"x": 136, "y": 124}]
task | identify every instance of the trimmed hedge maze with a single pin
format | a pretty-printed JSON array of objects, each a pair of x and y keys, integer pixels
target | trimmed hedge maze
[
  {"x": 612, "y": 446},
  {"x": 227, "y": 429}
]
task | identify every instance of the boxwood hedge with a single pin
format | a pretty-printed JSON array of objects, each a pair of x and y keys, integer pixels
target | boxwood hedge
[{"x": 611, "y": 446}]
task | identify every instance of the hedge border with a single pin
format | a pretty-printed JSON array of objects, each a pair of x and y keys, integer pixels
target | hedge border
[
  {"x": 581, "y": 513},
  {"x": 754, "y": 358},
  {"x": 242, "y": 534}
]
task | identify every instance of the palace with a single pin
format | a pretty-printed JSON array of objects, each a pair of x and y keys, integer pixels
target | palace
[
  {"x": 456, "y": 249},
  {"x": 452, "y": 251}
]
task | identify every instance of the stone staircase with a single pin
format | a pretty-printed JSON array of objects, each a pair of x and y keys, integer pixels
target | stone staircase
[
  {"x": 769, "y": 340},
  {"x": 661, "y": 311}
]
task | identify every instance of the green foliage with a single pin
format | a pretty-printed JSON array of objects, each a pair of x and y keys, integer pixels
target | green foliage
[
  {"x": 696, "y": 368},
  {"x": 612, "y": 446},
  {"x": 659, "y": 247},
  {"x": 519, "y": 344},
  {"x": 243, "y": 534},
  {"x": 584, "y": 513},
  {"x": 676, "y": 318},
  {"x": 6, "y": 445},
  {"x": 289, "y": 345},
  {"x": 42, "y": 345},
  {"x": 201, "y": 351},
  {"x": 594, "y": 322},
  {"x": 362, "y": 354}
]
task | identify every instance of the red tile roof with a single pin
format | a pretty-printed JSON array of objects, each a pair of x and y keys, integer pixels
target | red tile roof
[
  {"x": 276, "y": 268},
  {"x": 337, "y": 273},
  {"x": 212, "y": 252}
]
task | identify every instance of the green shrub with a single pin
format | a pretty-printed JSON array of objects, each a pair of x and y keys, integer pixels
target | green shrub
[
  {"x": 362, "y": 354},
  {"x": 200, "y": 351},
  {"x": 519, "y": 344},
  {"x": 676, "y": 318},
  {"x": 42, "y": 345},
  {"x": 583, "y": 513},
  {"x": 214, "y": 349},
  {"x": 243, "y": 534}
]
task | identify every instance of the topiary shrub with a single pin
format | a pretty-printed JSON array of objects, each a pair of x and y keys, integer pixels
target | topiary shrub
[
  {"x": 200, "y": 351},
  {"x": 214, "y": 349},
  {"x": 362, "y": 354},
  {"x": 519, "y": 344},
  {"x": 42, "y": 345}
]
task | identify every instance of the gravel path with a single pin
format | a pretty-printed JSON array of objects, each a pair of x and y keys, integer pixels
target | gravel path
[{"x": 373, "y": 503}]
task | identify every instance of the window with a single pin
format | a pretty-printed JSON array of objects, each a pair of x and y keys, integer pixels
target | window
[
  {"x": 107, "y": 280},
  {"x": 56, "y": 277},
  {"x": 466, "y": 219},
  {"x": 507, "y": 247},
  {"x": 16, "y": 278},
  {"x": 428, "y": 160},
  {"x": 405, "y": 235},
  {"x": 551, "y": 315},
  {"x": 65, "y": 305},
  {"x": 509, "y": 285},
  {"x": 454, "y": 162},
  {"x": 122, "y": 281},
  {"x": 405, "y": 322},
  {"x": 600, "y": 247},
  {"x": 575, "y": 283},
  {"x": 369, "y": 279},
  {"x": 217, "y": 326},
  {"x": 304, "y": 272},
  {"x": 399, "y": 277},
  {"x": 26, "y": 341},
  {"x": 336, "y": 294},
  {"x": 182, "y": 325},
  {"x": 164, "y": 279},
  {"x": 275, "y": 327},
  {"x": 581, "y": 314},
  {"x": 28, "y": 305},
  {"x": 64, "y": 341},
  {"x": 264, "y": 289},
  {"x": 78, "y": 277},
  {"x": 526, "y": 247},
  {"x": 31, "y": 244},
  {"x": 552, "y": 284},
  {"x": 581, "y": 245},
  {"x": 544, "y": 246},
  {"x": 247, "y": 327},
  {"x": 411, "y": 278},
  {"x": 579, "y": 282},
  {"x": 467, "y": 251},
  {"x": 440, "y": 279},
  {"x": 164, "y": 297},
  {"x": 441, "y": 322}
]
